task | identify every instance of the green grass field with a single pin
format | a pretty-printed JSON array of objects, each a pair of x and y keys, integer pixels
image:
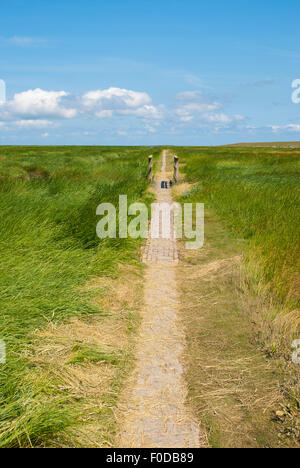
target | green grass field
[
  {"x": 49, "y": 250},
  {"x": 240, "y": 294},
  {"x": 256, "y": 192},
  {"x": 69, "y": 301}
]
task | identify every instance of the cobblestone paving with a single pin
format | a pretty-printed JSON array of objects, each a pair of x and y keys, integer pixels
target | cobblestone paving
[
  {"x": 153, "y": 410},
  {"x": 161, "y": 250}
]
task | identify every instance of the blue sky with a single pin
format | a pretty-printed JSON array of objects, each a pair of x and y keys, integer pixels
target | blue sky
[{"x": 149, "y": 72}]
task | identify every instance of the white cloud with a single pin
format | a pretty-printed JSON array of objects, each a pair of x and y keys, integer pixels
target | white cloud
[
  {"x": 100, "y": 103},
  {"x": 37, "y": 108},
  {"x": 33, "y": 123},
  {"x": 37, "y": 103},
  {"x": 193, "y": 107},
  {"x": 294, "y": 128},
  {"x": 23, "y": 41},
  {"x": 218, "y": 118},
  {"x": 275, "y": 128},
  {"x": 116, "y": 98},
  {"x": 191, "y": 111},
  {"x": 117, "y": 101},
  {"x": 145, "y": 112},
  {"x": 104, "y": 114}
]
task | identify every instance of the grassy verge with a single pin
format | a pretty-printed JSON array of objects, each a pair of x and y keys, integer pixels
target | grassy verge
[
  {"x": 239, "y": 314},
  {"x": 235, "y": 389},
  {"x": 256, "y": 193},
  {"x": 49, "y": 256}
]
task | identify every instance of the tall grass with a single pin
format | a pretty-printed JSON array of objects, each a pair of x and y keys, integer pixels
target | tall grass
[
  {"x": 49, "y": 248},
  {"x": 256, "y": 192}
]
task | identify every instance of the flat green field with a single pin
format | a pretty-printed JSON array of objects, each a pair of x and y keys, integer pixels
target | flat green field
[
  {"x": 69, "y": 302},
  {"x": 240, "y": 294},
  {"x": 256, "y": 192},
  {"x": 49, "y": 250}
]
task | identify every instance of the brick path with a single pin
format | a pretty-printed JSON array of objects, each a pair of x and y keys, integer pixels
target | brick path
[{"x": 153, "y": 412}]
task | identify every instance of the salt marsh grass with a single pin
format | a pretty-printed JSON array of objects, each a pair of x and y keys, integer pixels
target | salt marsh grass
[
  {"x": 256, "y": 191},
  {"x": 49, "y": 250}
]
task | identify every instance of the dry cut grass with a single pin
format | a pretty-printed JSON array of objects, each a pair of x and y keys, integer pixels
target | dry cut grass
[
  {"x": 241, "y": 395},
  {"x": 89, "y": 358}
]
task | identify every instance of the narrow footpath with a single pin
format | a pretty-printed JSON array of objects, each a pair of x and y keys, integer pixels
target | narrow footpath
[{"x": 153, "y": 412}]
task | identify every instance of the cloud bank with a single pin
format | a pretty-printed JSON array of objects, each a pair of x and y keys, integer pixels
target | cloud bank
[
  {"x": 293, "y": 128},
  {"x": 122, "y": 110},
  {"x": 23, "y": 41}
]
